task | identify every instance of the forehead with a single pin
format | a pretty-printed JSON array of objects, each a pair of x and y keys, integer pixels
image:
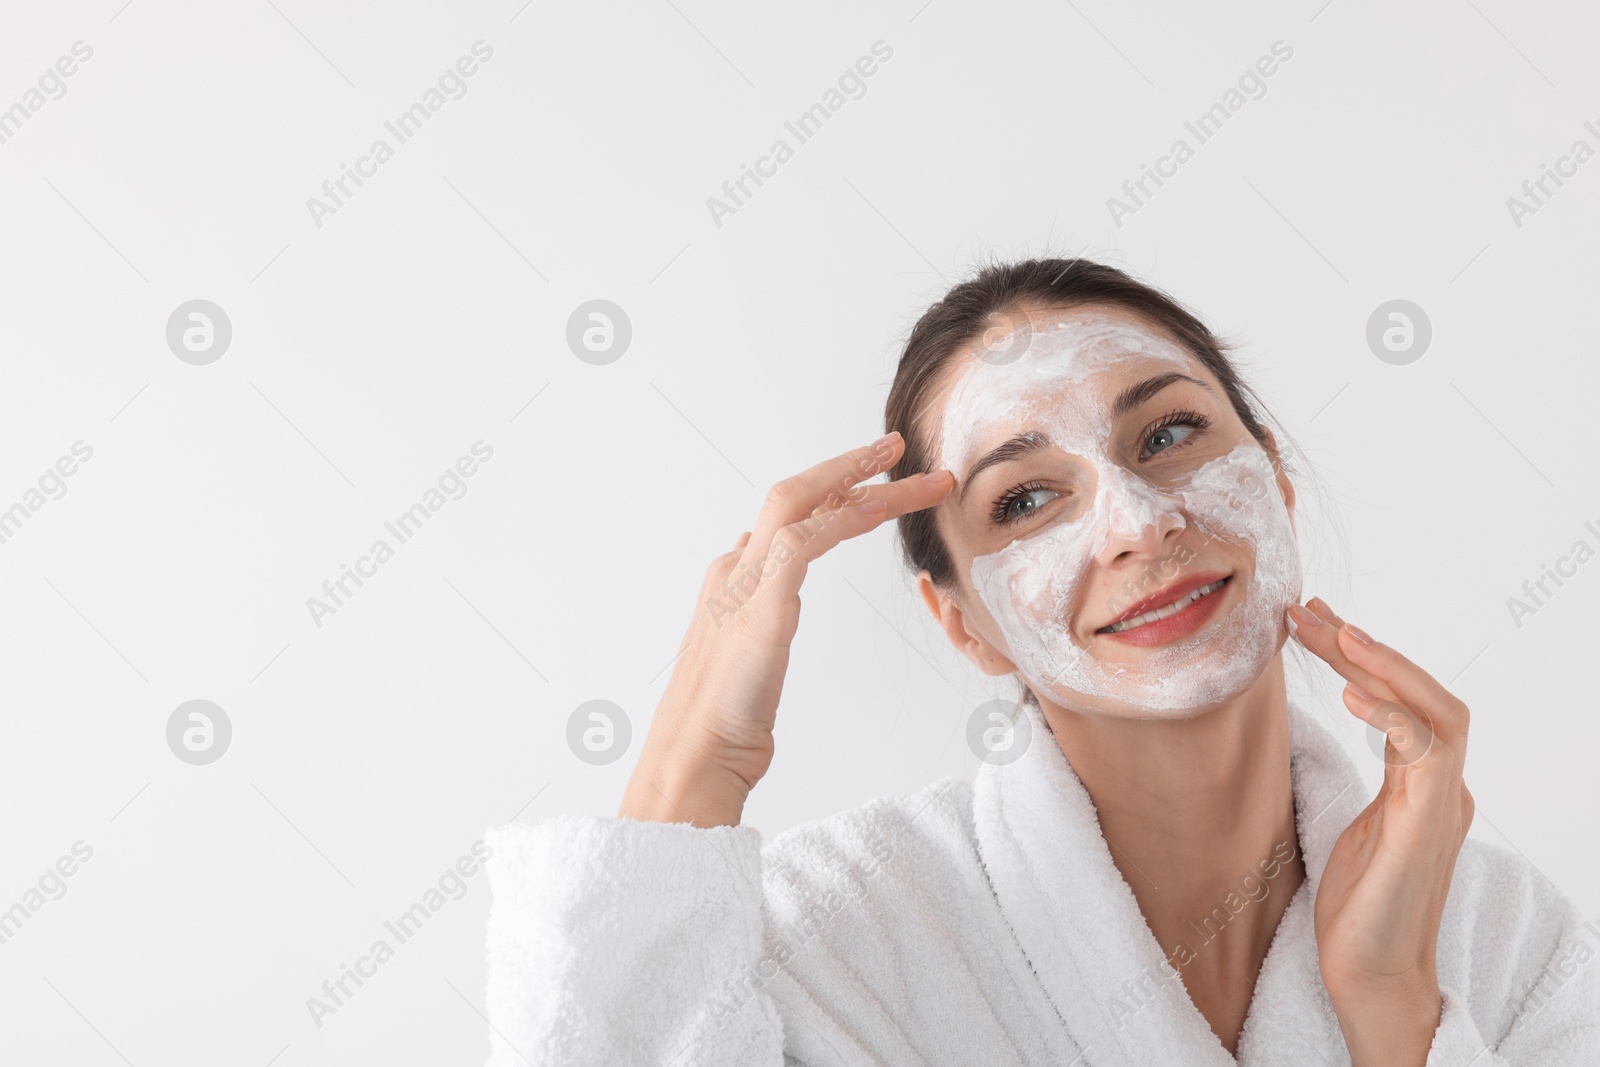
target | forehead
[{"x": 1052, "y": 369}]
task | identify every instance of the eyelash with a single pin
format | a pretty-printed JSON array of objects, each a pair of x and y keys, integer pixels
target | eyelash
[
  {"x": 1000, "y": 514},
  {"x": 1175, "y": 418}
]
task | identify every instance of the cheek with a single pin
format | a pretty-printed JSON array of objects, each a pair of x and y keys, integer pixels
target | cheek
[
  {"x": 1031, "y": 583},
  {"x": 1236, "y": 499},
  {"x": 1228, "y": 497}
]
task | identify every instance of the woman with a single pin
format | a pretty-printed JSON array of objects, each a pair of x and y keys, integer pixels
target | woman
[{"x": 1161, "y": 861}]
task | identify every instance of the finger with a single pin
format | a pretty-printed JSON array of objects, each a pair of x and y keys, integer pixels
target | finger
[
  {"x": 911, "y": 493},
  {"x": 1409, "y": 682},
  {"x": 1469, "y": 808},
  {"x": 738, "y": 547},
  {"x": 1380, "y": 669},
  {"x": 1322, "y": 638},
  {"x": 763, "y": 591},
  {"x": 798, "y": 496},
  {"x": 723, "y": 564},
  {"x": 1320, "y": 606},
  {"x": 1409, "y": 736},
  {"x": 797, "y": 545},
  {"x": 1416, "y": 757}
]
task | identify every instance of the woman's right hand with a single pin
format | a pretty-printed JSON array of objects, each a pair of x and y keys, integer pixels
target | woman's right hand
[{"x": 711, "y": 738}]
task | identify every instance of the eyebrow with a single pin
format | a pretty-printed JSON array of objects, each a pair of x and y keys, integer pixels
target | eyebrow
[
  {"x": 1024, "y": 444},
  {"x": 1135, "y": 395},
  {"x": 1021, "y": 445}
]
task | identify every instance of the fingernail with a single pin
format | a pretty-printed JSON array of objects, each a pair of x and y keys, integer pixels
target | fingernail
[
  {"x": 871, "y": 507},
  {"x": 1320, "y": 606},
  {"x": 1360, "y": 692},
  {"x": 1304, "y": 619},
  {"x": 934, "y": 477},
  {"x": 885, "y": 441},
  {"x": 1359, "y": 634}
]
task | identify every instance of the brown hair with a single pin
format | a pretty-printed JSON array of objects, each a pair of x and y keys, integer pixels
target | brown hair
[{"x": 996, "y": 291}]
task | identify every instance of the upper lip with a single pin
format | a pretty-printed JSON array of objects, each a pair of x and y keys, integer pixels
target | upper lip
[{"x": 1177, "y": 590}]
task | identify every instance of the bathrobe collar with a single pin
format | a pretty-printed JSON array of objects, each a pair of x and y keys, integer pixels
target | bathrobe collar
[{"x": 1078, "y": 923}]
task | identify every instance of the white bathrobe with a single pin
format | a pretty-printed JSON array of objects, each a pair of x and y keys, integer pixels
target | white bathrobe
[{"x": 972, "y": 924}]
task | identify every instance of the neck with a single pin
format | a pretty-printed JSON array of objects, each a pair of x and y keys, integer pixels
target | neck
[{"x": 1199, "y": 815}]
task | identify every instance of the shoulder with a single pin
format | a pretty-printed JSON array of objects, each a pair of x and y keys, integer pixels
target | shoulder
[
  {"x": 926, "y": 836},
  {"x": 1509, "y": 935},
  {"x": 884, "y": 937},
  {"x": 856, "y": 902},
  {"x": 1502, "y": 907},
  {"x": 939, "y": 813}
]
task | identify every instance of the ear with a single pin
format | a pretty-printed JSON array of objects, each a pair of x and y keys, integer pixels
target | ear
[
  {"x": 953, "y": 621},
  {"x": 1285, "y": 486}
]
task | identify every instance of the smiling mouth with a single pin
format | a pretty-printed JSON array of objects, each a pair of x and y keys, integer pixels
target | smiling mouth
[{"x": 1166, "y": 610}]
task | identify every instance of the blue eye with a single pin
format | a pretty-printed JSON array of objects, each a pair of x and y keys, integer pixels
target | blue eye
[
  {"x": 1170, "y": 435},
  {"x": 1173, "y": 430},
  {"x": 1006, "y": 510}
]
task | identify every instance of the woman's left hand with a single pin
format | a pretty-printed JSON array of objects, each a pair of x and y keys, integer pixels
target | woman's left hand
[{"x": 1383, "y": 892}]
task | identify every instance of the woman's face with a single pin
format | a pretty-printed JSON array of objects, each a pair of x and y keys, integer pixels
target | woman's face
[{"x": 1099, "y": 466}]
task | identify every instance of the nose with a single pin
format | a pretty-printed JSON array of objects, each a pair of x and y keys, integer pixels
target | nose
[{"x": 1139, "y": 518}]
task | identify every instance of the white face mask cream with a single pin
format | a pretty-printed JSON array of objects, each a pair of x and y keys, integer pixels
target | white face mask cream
[{"x": 1031, "y": 586}]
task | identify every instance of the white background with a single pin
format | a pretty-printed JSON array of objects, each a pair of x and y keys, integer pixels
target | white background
[{"x": 372, "y": 351}]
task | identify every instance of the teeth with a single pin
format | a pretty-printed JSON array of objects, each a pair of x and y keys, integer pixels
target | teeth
[{"x": 1162, "y": 612}]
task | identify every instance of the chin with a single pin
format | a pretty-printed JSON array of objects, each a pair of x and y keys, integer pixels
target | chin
[{"x": 1108, "y": 708}]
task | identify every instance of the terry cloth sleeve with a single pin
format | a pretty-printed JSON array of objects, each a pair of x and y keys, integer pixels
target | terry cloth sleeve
[
  {"x": 1532, "y": 961},
  {"x": 1557, "y": 1026},
  {"x": 614, "y": 941},
  {"x": 1560, "y": 1031}
]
